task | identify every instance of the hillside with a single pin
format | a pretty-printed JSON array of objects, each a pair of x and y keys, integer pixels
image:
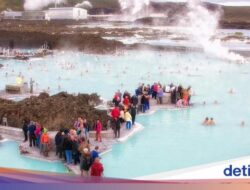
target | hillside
[
  {"x": 232, "y": 17},
  {"x": 11, "y": 4}
]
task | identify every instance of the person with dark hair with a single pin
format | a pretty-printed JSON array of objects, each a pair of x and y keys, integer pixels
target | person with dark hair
[
  {"x": 75, "y": 152},
  {"x": 25, "y": 129},
  {"x": 211, "y": 122},
  {"x": 147, "y": 102},
  {"x": 143, "y": 103},
  {"x": 134, "y": 100},
  {"x": 94, "y": 153},
  {"x": 61, "y": 146},
  {"x": 174, "y": 96},
  {"x": 58, "y": 141},
  {"x": 206, "y": 121},
  {"x": 117, "y": 127},
  {"x": 126, "y": 102},
  {"x": 121, "y": 117},
  {"x": 133, "y": 111},
  {"x": 126, "y": 94},
  {"x": 116, "y": 99},
  {"x": 86, "y": 129},
  {"x": 32, "y": 136},
  {"x": 98, "y": 129},
  {"x": 179, "y": 92},
  {"x": 115, "y": 113},
  {"x": 85, "y": 162},
  {"x": 154, "y": 90},
  {"x": 68, "y": 146}
]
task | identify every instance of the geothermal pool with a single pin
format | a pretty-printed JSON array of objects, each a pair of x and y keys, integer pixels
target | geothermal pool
[
  {"x": 10, "y": 158},
  {"x": 171, "y": 139}
]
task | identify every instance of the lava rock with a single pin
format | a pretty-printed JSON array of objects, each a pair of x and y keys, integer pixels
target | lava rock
[{"x": 54, "y": 112}]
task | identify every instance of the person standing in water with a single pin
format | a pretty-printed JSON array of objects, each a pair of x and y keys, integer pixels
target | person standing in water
[
  {"x": 206, "y": 121},
  {"x": 242, "y": 124},
  {"x": 211, "y": 122}
]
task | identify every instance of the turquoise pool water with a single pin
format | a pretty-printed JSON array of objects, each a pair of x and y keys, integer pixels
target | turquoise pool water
[
  {"x": 104, "y": 74},
  {"x": 10, "y": 158},
  {"x": 172, "y": 139}
]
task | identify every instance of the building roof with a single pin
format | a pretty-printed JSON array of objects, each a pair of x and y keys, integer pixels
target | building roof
[{"x": 65, "y": 8}]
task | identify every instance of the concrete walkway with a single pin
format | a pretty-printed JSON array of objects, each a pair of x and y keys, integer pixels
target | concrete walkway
[{"x": 104, "y": 146}]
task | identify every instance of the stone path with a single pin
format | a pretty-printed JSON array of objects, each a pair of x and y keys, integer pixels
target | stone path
[{"x": 104, "y": 146}]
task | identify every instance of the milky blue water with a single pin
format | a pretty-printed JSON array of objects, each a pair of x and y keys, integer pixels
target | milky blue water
[
  {"x": 171, "y": 139},
  {"x": 10, "y": 158}
]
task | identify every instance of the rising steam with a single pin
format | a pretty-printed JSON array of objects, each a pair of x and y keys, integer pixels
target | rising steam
[
  {"x": 133, "y": 8},
  {"x": 40, "y": 4},
  {"x": 85, "y": 5},
  {"x": 202, "y": 25}
]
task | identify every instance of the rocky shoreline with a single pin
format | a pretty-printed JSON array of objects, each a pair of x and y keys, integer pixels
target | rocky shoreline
[
  {"x": 54, "y": 112},
  {"x": 80, "y": 36}
]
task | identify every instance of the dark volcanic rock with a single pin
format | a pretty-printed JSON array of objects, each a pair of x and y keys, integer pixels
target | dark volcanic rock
[
  {"x": 53, "y": 112},
  {"x": 83, "y": 42}
]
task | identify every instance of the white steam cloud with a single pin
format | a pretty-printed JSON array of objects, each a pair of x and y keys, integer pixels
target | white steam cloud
[
  {"x": 202, "y": 26},
  {"x": 40, "y": 4},
  {"x": 133, "y": 9},
  {"x": 134, "y": 6},
  {"x": 85, "y": 5}
]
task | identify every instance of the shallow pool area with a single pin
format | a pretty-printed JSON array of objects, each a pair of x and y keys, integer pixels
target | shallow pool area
[
  {"x": 11, "y": 158},
  {"x": 171, "y": 139}
]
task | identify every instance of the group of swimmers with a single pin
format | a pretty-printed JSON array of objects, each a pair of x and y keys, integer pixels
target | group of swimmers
[{"x": 208, "y": 122}]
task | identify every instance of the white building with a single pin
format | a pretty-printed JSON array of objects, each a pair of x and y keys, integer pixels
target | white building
[
  {"x": 33, "y": 15},
  {"x": 12, "y": 14},
  {"x": 66, "y": 13}
]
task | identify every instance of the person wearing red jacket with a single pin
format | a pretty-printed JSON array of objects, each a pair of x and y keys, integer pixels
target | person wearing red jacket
[
  {"x": 97, "y": 168},
  {"x": 115, "y": 113},
  {"x": 98, "y": 129},
  {"x": 126, "y": 101}
]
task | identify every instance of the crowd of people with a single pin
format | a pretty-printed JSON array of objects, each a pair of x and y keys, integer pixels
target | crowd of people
[
  {"x": 126, "y": 106},
  {"x": 179, "y": 96},
  {"x": 72, "y": 145},
  {"x": 124, "y": 111},
  {"x": 37, "y": 136}
]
